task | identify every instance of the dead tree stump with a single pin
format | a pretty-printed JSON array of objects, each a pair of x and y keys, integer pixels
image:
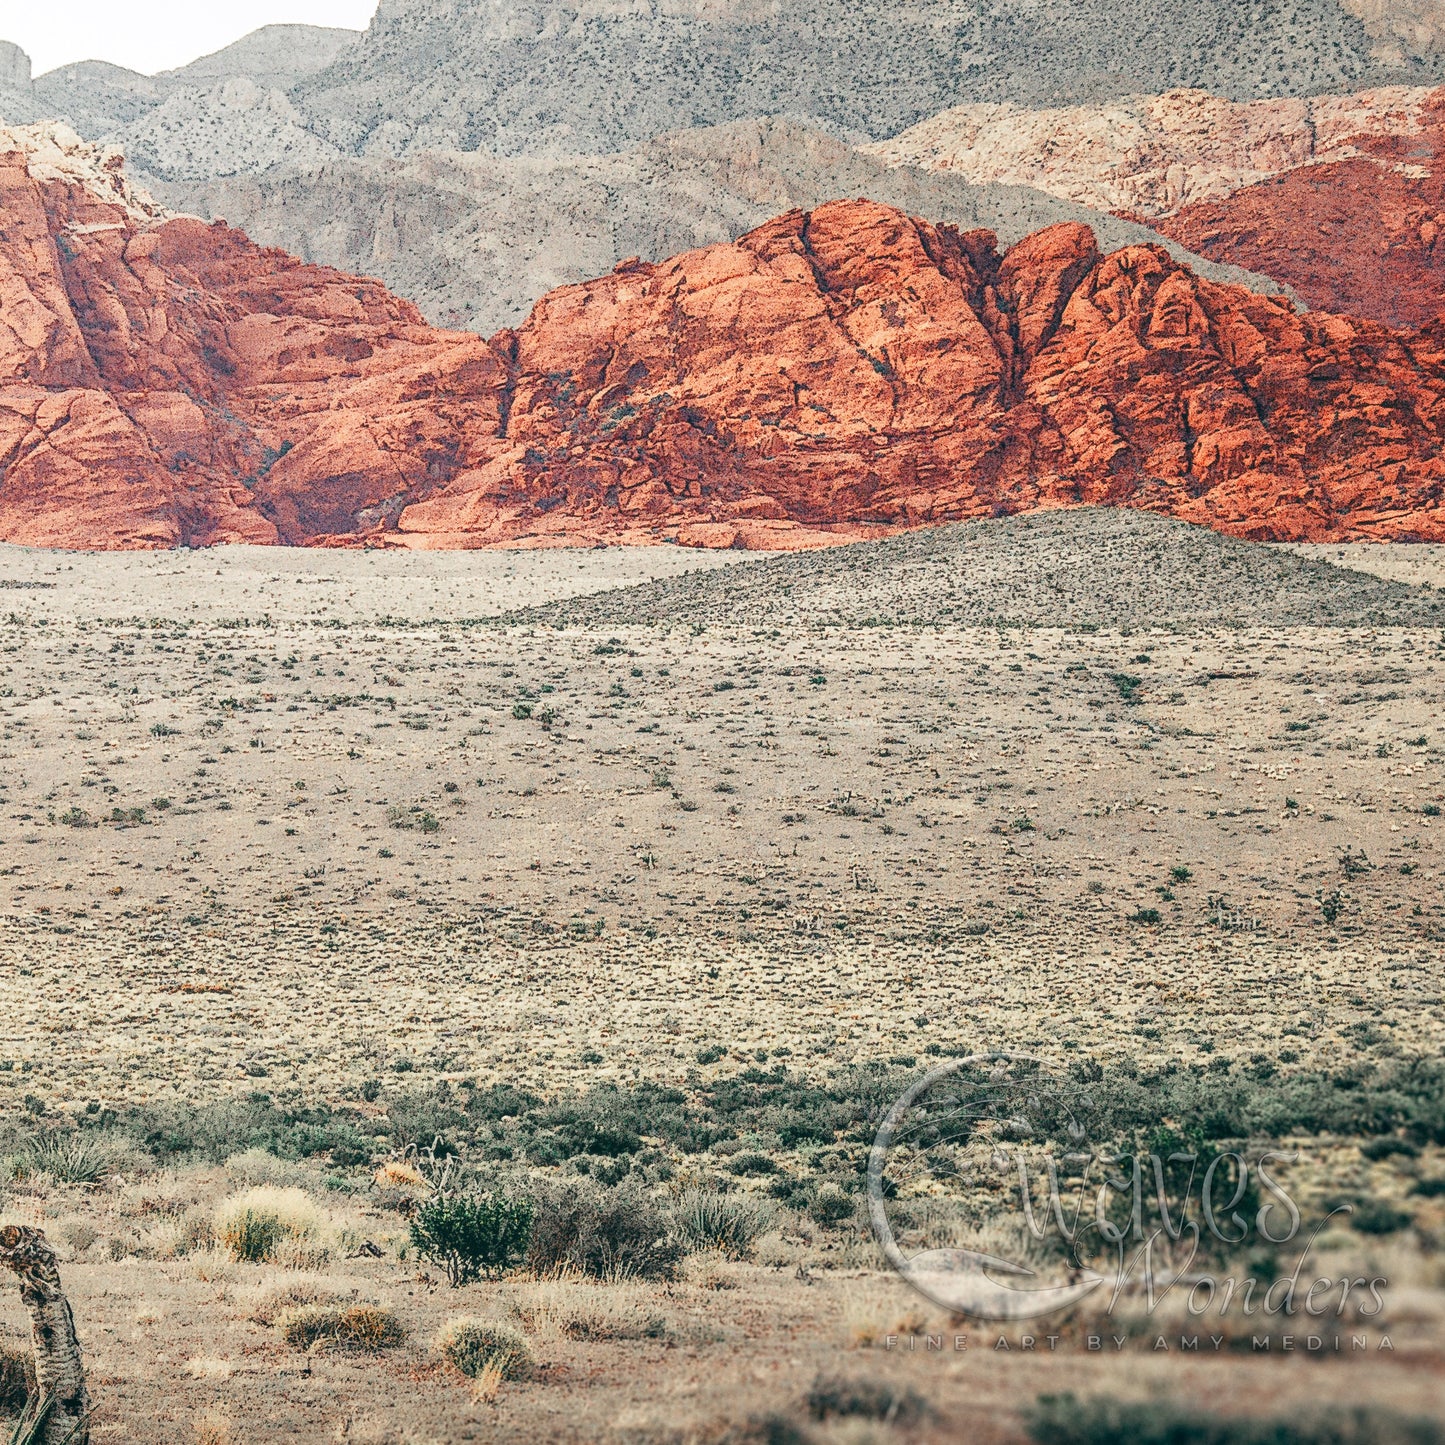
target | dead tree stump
[{"x": 59, "y": 1369}]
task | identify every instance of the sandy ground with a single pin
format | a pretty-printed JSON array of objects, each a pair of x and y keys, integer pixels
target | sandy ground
[
  {"x": 282, "y": 819},
  {"x": 752, "y": 1348},
  {"x": 293, "y": 584},
  {"x": 691, "y": 824},
  {"x": 1424, "y": 563}
]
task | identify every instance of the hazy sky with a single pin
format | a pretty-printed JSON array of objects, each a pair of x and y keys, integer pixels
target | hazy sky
[{"x": 151, "y": 35}]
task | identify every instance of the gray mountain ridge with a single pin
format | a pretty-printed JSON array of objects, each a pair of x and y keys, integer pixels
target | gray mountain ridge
[
  {"x": 591, "y": 76},
  {"x": 474, "y": 240}
]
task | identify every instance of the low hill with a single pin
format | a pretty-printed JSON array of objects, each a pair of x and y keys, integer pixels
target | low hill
[{"x": 1086, "y": 568}]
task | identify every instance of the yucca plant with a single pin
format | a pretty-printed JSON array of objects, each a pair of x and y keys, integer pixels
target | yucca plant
[
  {"x": 34, "y": 1426},
  {"x": 75, "y": 1158},
  {"x": 727, "y": 1222}
]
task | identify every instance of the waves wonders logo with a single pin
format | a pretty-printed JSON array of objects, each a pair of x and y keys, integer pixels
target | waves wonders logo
[{"x": 988, "y": 1198}]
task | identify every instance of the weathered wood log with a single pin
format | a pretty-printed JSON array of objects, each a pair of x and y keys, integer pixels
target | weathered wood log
[{"x": 59, "y": 1368}]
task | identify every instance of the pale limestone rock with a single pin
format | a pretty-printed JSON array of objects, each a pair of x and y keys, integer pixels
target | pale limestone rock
[
  {"x": 1402, "y": 30},
  {"x": 234, "y": 127},
  {"x": 1152, "y": 154}
]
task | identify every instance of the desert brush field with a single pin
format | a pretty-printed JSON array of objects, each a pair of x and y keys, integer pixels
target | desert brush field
[{"x": 634, "y": 884}]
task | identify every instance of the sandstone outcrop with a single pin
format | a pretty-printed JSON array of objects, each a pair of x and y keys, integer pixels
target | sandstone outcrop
[
  {"x": 850, "y": 367},
  {"x": 1340, "y": 197},
  {"x": 1363, "y": 235},
  {"x": 164, "y": 381},
  {"x": 834, "y": 373}
]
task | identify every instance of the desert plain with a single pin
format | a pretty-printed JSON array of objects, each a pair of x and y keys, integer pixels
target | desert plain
[{"x": 356, "y": 834}]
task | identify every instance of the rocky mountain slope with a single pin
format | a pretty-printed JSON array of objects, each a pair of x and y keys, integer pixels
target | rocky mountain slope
[
  {"x": 475, "y": 239},
  {"x": 474, "y": 157},
  {"x": 104, "y": 102},
  {"x": 568, "y": 76},
  {"x": 472, "y": 237},
  {"x": 1401, "y": 31},
  {"x": 274, "y": 55},
  {"x": 1153, "y": 154},
  {"x": 834, "y": 373}
]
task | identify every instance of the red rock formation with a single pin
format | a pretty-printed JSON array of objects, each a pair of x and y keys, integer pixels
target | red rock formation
[
  {"x": 828, "y": 376},
  {"x": 166, "y": 382},
  {"x": 1364, "y": 236},
  {"x": 855, "y": 366}
]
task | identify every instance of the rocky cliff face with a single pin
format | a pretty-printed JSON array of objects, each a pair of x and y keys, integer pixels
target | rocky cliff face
[
  {"x": 1364, "y": 235},
  {"x": 831, "y": 374},
  {"x": 164, "y": 381},
  {"x": 1338, "y": 197},
  {"x": 851, "y": 368},
  {"x": 1151, "y": 155}
]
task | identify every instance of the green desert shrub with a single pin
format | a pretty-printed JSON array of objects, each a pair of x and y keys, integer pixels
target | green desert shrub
[
  {"x": 471, "y": 1235},
  {"x": 583, "y": 1228},
  {"x": 1378, "y": 1216},
  {"x": 473, "y": 1346},
  {"x": 1065, "y": 1420}
]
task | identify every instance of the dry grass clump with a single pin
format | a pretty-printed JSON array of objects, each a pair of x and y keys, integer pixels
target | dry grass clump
[
  {"x": 17, "y": 1376},
  {"x": 396, "y": 1174},
  {"x": 270, "y": 1301},
  {"x": 399, "y": 1186},
  {"x": 487, "y": 1382},
  {"x": 180, "y": 1236},
  {"x": 480, "y": 1348},
  {"x": 575, "y": 1309},
  {"x": 712, "y": 1272},
  {"x": 354, "y": 1327},
  {"x": 272, "y": 1296},
  {"x": 842, "y": 1398},
  {"x": 268, "y": 1225},
  {"x": 212, "y": 1265},
  {"x": 874, "y": 1310},
  {"x": 259, "y": 1166},
  {"x": 78, "y": 1234}
]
